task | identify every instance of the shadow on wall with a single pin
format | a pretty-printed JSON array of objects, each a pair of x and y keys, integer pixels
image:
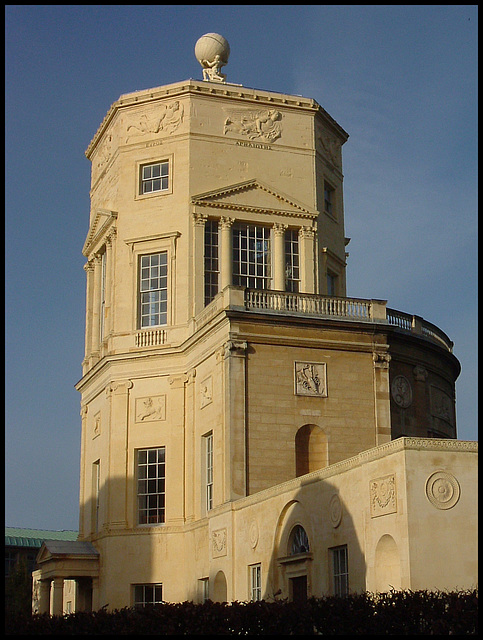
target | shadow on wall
[{"x": 316, "y": 551}]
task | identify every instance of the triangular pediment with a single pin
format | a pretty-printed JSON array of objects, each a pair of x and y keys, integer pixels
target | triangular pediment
[
  {"x": 253, "y": 196},
  {"x": 103, "y": 219}
]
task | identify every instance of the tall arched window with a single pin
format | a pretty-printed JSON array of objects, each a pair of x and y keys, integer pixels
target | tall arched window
[{"x": 311, "y": 449}]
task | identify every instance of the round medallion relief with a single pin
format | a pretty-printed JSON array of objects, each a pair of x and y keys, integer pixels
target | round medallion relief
[
  {"x": 442, "y": 490},
  {"x": 253, "y": 533},
  {"x": 335, "y": 510},
  {"x": 401, "y": 391}
]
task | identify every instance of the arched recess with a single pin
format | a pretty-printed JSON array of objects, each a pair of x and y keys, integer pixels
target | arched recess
[
  {"x": 311, "y": 449},
  {"x": 387, "y": 565},
  {"x": 219, "y": 588}
]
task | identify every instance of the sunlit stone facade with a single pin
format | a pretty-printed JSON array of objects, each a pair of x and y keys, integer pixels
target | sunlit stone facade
[{"x": 242, "y": 419}]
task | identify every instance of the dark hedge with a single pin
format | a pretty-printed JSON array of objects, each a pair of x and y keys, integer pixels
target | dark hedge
[{"x": 392, "y": 613}]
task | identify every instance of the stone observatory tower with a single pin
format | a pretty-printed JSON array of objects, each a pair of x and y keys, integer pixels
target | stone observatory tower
[{"x": 247, "y": 428}]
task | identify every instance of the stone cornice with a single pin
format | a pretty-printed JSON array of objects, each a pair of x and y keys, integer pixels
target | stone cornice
[
  {"x": 212, "y": 89},
  {"x": 103, "y": 220}
]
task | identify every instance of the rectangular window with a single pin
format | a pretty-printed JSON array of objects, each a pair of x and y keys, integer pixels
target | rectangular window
[
  {"x": 153, "y": 289},
  {"x": 292, "y": 262},
  {"x": 212, "y": 267},
  {"x": 329, "y": 199},
  {"x": 151, "y": 479},
  {"x": 154, "y": 177},
  {"x": 208, "y": 440},
  {"x": 251, "y": 256},
  {"x": 255, "y": 582},
  {"x": 331, "y": 284},
  {"x": 340, "y": 571},
  {"x": 147, "y": 595}
]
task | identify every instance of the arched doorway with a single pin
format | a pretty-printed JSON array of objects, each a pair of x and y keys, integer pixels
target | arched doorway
[
  {"x": 311, "y": 449},
  {"x": 219, "y": 588}
]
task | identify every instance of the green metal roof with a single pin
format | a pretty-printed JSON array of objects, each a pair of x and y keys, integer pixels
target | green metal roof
[{"x": 15, "y": 537}]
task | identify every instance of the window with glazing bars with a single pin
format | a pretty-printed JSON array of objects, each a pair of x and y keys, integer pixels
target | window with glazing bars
[
  {"x": 292, "y": 262},
  {"x": 154, "y": 177},
  {"x": 340, "y": 571},
  {"x": 209, "y": 470},
  {"x": 153, "y": 288},
  {"x": 147, "y": 594},
  {"x": 212, "y": 267},
  {"x": 251, "y": 256},
  {"x": 256, "y": 582},
  {"x": 151, "y": 479}
]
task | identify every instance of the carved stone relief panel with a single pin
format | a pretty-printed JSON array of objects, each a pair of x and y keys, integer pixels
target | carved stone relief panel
[
  {"x": 401, "y": 391},
  {"x": 335, "y": 510},
  {"x": 218, "y": 543},
  {"x": 151, "y": 408},
  {"x": 263, "y": 125},
  {"x": 166, "y": 118},
  {"x": 97, "y": 425},
  {"x": 383, "y": 496},
  {"x": 311, "y": 379},
  {"x": 442, "y": 490},
  {"x": 206, "y": 392},
  {"x": 441, "y": 405}
]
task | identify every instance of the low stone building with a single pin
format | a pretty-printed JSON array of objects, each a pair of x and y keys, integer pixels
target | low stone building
[{"x": 249, "y": 431}]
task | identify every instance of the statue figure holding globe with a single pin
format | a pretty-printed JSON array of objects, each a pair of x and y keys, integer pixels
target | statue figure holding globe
[{"x": 212, "y": 51}]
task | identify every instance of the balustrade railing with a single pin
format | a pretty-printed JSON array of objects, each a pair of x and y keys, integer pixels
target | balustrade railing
[{"x": 356, "y": 309}]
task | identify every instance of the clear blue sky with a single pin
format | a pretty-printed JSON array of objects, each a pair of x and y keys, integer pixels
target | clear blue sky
[{"x": 401, "y": 80}]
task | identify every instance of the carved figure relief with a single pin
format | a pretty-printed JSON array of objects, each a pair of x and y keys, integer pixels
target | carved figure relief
[
  {"x": 331, "y": 149},
  {"x": 261, "y": 125},
  {"x": 401, "y": 391},
  {"x": 151, "y": 408},
  {"x": 218, "y": 543},
  {"x": 97, "y": 425},
  {"x": 168, "y": 121},
  {"x": 383, "y": 496},
  {"x": 311, "y": 379},
  {"x": 442, "y": 490},
  {"x": 206, "y": 392},
  {"x": 253, "y": 533}
]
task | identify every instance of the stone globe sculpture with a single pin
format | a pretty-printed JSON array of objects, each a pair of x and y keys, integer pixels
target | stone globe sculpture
[{"x": 212, "y": 52}]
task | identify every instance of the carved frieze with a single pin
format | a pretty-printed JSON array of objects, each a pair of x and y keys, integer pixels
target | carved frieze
[
  {"x": 263, "y": 125},
  {"x": 151, "y": 408},
  {"x": 383, "y": 496},
  {"x": 311, "y": 379},
  {"x": 167, "y": 121}
]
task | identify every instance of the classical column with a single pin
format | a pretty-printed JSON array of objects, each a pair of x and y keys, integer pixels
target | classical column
[
  {"x": 89, "y": 269},
  {"x": 175, "y": 454},
  {"x": 118, "y": 392},
  {"x": 40, "y": 593},
  {"x": 57, "y": 596},
  {"x": 226, "y": 267},
  {"x": 307, "y": 262},
  {"x": 279, "y": 256},
  {"x": 382, "y": 394},
  {"x": 96, "y": 304},
  {"x": 233, "y": 356},
  {"x": 199, "y": 220},
  {"x": 108, "y": 286},
  {"x": 95, "y": 594}
]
